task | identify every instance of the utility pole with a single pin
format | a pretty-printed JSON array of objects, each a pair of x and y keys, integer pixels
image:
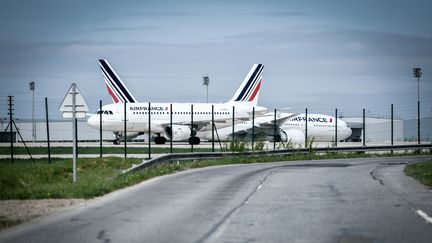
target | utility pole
[
  {"x": 10, "y": 126},
  {"x": 32, "y": 86}
]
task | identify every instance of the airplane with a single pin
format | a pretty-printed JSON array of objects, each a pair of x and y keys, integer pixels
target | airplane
[
  {"x": 320, "y": 128},
  {"x": 137, "y": 113},
  {"x": 290, "y": 127}
]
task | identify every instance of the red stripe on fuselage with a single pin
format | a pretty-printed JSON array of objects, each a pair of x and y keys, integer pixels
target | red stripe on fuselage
[
  {"x": 255, "y": 91},
  {"x": 116, "y": 100}
]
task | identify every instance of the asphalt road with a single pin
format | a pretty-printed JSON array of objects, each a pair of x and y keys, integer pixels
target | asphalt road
[{"x": 359, "y": 200}]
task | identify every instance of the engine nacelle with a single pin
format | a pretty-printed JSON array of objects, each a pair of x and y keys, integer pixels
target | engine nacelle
[
  {"x": 293, "y": 135},
  {"x": 178, "y": 132}
]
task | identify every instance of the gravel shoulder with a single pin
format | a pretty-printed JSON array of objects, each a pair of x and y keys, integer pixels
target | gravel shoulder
[{"x": 16, "y": 211}]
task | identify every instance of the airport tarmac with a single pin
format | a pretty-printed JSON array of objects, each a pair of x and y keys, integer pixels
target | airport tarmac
[{"x": 345, "y": 200}]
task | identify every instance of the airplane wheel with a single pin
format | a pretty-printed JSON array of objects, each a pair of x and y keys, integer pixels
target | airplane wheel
[
  {"x": 160, "y": 140},
  {"x": 196, "y": 140},
  {"x": 116, "y": 141}
]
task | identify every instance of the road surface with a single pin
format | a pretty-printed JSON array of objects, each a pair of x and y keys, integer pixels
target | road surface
[{"x": 346, "y": 200}]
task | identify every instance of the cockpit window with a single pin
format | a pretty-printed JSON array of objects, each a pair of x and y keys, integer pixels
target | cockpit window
[
  {"x": 99, "y": 112},
  {"x": 111, "y": 113}
]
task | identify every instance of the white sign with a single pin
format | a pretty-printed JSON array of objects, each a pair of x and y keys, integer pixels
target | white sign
[
  {"x": 67, "y": 107},
  {"x": 74, "y": 106}
]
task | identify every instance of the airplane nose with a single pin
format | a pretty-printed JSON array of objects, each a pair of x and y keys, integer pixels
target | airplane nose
[{"x": 93, "y": 121}]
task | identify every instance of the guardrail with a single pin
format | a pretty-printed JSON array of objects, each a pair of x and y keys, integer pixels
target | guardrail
[{"x": 215, "y": 155}]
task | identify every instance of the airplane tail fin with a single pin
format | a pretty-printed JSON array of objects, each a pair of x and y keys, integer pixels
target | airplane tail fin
[
  {"x": 248, "y": 92},
  {"x": 116, "y": 88}
]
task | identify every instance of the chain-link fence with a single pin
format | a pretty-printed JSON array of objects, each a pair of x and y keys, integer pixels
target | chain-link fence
[{"x": 205, "y": 127}]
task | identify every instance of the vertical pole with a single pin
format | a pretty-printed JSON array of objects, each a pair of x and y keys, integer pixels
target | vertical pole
[
  {"x": 149, "y": 130},
  {"x": 418, "y": 122},
  {"x": 33, "y": 120},
  {"x": 172, "y": 130},
  {"x": 100, "y": 128},
  {"x": 192, "y": 132},
  {"x": 392, "y": 127},
  {"x": 253, "y": 127},
  {"x": 233, "y": 128},
  {"x": 213, "y": 128},
  {"x": 306, "y": 128},
  {"x": 74, "y": 131},
  {"x": 76, "y": 136},
  {"x": 274, "y": 131},
  {"x": 125, "y": 130},
  {"x": 364, "y": 128},
  {"x": 47, "y": 128},
  {"x": 336, "y": 127},
  {"x": 10, "y": 128},
  {"x": 418, "y": 109}
]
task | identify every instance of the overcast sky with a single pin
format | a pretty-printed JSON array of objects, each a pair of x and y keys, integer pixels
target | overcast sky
[{"x": 317, "y": 54}]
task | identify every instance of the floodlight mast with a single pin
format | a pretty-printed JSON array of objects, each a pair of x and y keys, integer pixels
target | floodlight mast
[
  {"x": 417, "y": 74},
  {"x": 32, "y": 86},
  {"x": 206, "y": 82}
]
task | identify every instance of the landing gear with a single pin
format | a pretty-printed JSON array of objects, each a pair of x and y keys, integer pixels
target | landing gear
[
  {"x": 160, "y": 140},
  {"x": 194, "y": 140},
  {"x": 116, "y": 141}
]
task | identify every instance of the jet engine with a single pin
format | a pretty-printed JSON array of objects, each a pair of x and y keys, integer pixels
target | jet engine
[
  {"x": 178, "y": 132},
  {"x": 294, "y": 135}
]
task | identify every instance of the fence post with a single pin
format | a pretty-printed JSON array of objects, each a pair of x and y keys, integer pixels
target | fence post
[
  {"x": 47, "y": 127},
  {"x": 364, "y": 128},
  {"x": 274, "y": 131},
  {"x": 392, "y": 127},
  {"x": 253, "y": 127},
  {"x": 233, "y": 128},
  {"x": 213, "y": 128},
  {"x": 149, "y": 131},
  {"x": 100, "y": 128},
  {"x": 172, "y": 130},
  {"x": 336, "y": 127},
  {"x": 125, "y": 131},
  {"x": 192, "y": 132},
  {"x": 306, "y": 128}
]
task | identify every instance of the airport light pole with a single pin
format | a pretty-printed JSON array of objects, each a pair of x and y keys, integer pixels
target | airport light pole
[
  {"x": 417, "y": 74},
  {"x": 32, "y": 86},
  {"x": 206, "y": 82}
]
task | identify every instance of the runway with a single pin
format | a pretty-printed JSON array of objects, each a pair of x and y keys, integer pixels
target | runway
[{"x": 346, "y": 200}]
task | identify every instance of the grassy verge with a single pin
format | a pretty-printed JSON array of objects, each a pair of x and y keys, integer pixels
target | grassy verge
[
  {"x": 421, "y": 172},
  {"x": 95, "y": 150}
]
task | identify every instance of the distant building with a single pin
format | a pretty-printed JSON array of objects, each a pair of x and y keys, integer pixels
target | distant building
[{"x": 377, "y": 129}]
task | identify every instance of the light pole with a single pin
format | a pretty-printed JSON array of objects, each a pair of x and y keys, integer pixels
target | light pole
[
  {"x": 417, "y": 74},
  {"x": 32, "y": 86},
  {"x": 206, "y": 82}
]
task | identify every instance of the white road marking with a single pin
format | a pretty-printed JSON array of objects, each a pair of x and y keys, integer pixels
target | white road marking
[
  {"x": 424, "y": 216},
  {"x": 259, "y": 187}
]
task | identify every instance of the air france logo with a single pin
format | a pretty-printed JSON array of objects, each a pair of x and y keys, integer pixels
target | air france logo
[
  {"x": 311, "y": 119},
  {"x": 145, "y": 108}
]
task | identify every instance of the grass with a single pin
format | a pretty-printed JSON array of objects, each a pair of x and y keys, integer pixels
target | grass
[
  {"x": 95, "y": 150},
  {"x": 98, "y": 176},
  {"x": 421, "y": 172},
  {"x": 95, "y": 177}
]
